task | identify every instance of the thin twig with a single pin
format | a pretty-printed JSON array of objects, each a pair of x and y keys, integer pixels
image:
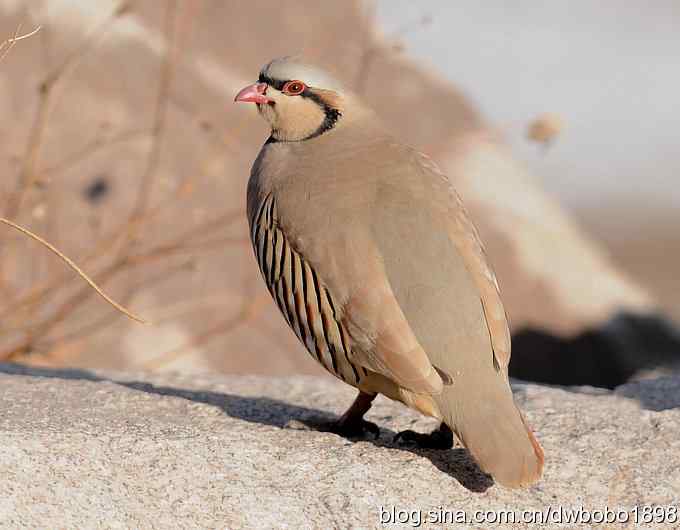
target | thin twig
[
  {"x": 251, "y": 306},
  {"x": 38, "y": 293},
  {"x": 160, "y": 116},
  {"x": 90, "y": 149},
  {"x": 7, "y": 45},
  {"x": 66, "y": 308},
  {"x": 28, "y": 172},
  {"x": 75, "y": 267},
  {"x": 95, "y": 325}
]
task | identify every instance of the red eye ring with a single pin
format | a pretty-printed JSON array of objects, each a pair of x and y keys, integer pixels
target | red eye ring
[{"x": 294, "y": 88}]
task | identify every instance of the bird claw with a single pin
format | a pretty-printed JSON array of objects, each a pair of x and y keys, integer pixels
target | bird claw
[{"x": 441, "y": 438}]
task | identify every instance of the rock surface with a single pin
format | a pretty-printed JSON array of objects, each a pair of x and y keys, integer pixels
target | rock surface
[{"x": 106, "y": 450}]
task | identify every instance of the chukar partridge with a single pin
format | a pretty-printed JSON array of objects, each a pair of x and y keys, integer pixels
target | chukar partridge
[{"x": 375, "y": 265}]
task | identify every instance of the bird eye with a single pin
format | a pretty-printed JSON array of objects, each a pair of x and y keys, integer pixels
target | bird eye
[{"x": 294, "y": 88}]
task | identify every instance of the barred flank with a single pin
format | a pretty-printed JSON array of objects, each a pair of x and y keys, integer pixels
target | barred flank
[{"x": 301, "y": 296}]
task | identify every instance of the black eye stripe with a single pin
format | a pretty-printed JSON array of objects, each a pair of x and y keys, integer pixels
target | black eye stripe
[{"x": 275, "y": 83}]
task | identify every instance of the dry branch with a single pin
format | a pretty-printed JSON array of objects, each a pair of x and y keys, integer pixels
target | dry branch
[
  {"x": 28, "y": 172},
  {"x": 160, "y": 116},
  {"x": 75, "y": 267},
  {"x": 7, "y": 45}
]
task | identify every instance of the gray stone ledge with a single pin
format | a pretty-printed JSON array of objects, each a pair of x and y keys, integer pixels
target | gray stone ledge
[{"x": 82, "y": 449}]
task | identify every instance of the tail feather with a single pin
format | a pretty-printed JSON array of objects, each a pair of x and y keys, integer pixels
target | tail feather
[{"x": 487, "y": 421}]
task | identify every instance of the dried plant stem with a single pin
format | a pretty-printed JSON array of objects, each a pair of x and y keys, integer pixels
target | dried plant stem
[
  {"x": 122, "y": 263},
  {"x": 160, "y": 117},
  {"x": 40, "y": 292},
  {"x": 89, "y": 149},
  {"x": 7, "y": 45},
  {"x": 27, "y": 175},
  {"x": 90, "y": 328},
  {"x": 75, "y": 267},
  {"x": 251, "y": 306},
  {"x": 28, "y": 172}
]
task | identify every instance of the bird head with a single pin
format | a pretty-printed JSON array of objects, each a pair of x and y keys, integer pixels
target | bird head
[{"x": 299, "y": 101}]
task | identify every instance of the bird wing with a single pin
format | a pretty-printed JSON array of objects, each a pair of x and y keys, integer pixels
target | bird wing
[
  {"x": 466, "y": 238},
  {"x": 436, "y": 266},
  {"x": 383, "y": 340},
  {"x": 441, "y": 280}
]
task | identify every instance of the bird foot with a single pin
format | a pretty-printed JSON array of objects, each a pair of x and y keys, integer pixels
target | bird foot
[
  {"x": 441, "y": 438},
  {"x": 356, "y": 428}
]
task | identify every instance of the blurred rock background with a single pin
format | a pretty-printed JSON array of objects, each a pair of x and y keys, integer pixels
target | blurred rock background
[{"x": 121, "y": 146}]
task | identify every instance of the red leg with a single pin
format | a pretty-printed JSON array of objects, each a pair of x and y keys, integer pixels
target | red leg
[{"x": 352, "y": 423}]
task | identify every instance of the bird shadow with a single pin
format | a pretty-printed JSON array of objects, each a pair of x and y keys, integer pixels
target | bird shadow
[
  {"x": 457, "y": 462},
  {"x": 657, "y": 395}
]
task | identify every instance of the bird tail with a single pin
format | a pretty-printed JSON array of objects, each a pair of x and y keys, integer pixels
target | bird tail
[{"x": 485, "y": 418}]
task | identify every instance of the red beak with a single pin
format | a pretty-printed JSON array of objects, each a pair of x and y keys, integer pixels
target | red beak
[{"x": 253, "y": 94}]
